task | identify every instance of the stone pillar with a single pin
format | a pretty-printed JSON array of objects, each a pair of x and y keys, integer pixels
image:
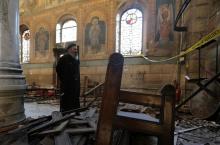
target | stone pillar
[{"x": 12, "y": 82}]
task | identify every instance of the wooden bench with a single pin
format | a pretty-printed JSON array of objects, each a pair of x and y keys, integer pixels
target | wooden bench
[{"x": 110, "y": 118}]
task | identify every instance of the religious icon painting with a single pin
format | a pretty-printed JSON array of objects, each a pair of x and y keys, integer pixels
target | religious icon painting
[
  {"x": 164, "y": 33},
  {"x": 95, "y": 35},
  {"x": 42, "y": 41}
]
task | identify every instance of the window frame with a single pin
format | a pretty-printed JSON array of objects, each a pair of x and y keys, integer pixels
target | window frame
[
  {"x": 118, "y": 24},
  {"x": 61, "y": 23},
  {"x": 21, "y": 52}
]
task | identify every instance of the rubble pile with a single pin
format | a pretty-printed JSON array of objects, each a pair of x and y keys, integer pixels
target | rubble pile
[
  {"x": 76, "y": 128},
  {"x": 197, "y": 132},
  {"x": 79, "y": 128}
]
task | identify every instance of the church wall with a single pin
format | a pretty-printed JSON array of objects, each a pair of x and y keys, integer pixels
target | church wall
[
  {"x": 42, "y": 74},
  {"x": 138, "y": 72},
  {"x": 201, "y": 17}
]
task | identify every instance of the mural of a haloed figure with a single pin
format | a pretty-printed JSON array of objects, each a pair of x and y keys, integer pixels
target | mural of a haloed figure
[
  {"x": 164, "y": 36},
  {"x": 95, "y": 35},
  {"x": 42, "y": 41},
  {"x": 164, "y": 25}
]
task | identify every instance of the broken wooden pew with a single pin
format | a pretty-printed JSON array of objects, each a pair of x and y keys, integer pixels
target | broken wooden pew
[{"x": 109, "y": 119}]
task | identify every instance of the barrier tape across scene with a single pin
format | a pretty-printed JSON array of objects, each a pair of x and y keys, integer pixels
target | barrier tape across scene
[{"x": 211, "y": 36}]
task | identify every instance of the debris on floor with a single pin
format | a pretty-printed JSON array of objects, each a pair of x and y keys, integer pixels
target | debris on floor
[
  {"x": 79, "y": 128},
  {"x": 197, "y": 132},
  {"x": 76, "y": 128}
]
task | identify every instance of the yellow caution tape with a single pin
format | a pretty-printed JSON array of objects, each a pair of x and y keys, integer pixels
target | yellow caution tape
[{"x": 211, "y": 36}]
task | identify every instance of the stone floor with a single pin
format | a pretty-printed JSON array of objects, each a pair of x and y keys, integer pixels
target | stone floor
[{"x": 35, "y": 110}]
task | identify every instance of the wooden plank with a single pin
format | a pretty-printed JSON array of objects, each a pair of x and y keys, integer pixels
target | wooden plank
[
  {"x": 21, "y": 141},
  {"x": 85, "y": 87},
  {"x": 92, "y": 124},
  {"x": 143, "y": 99},
  {"x": 8, "y": 128},
  {"x": 83, "y": 140},
  {"x": 47, "y": 141},
  {"x": 31, "y": 124},
  {"x": 54, "y": 122},
  {"x": 74, "y": 131},
  {"x": 109, "y": 99},
  {"x": 138, "y": 125},
  {"x": 77, "y": 122},
  {"x": 56, "y": 130},
  {"x": 81, "y": 130},
  {"x": 14, "y": 139},
  {"x": 63, "y": 137},
  {"x": 76, "y": 139}
]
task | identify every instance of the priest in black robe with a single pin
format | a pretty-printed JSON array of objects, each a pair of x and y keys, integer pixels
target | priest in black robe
[{"x": 68, "y": 72}]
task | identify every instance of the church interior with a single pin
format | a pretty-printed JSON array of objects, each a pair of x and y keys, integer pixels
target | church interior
[{"x": 149, "y": 72}]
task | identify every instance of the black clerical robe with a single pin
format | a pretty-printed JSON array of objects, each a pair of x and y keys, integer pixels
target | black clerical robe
[{"x": 69, "y": 74}]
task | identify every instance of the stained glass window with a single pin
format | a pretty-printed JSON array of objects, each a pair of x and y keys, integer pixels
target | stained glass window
[
  {"x": 66, "y": 32},
  {"x": 25, "y": 47},
  {"x": 129, "y": 32}
]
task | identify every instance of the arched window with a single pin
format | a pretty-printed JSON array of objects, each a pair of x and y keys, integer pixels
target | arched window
[
  {"x": 25, "y": 46},
  {"x": 66, "y": 32},
  {"x": 129, "y": 32}
]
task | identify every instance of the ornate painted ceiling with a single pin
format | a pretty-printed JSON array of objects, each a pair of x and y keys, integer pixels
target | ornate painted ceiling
[{"x": 32, "y": 5}]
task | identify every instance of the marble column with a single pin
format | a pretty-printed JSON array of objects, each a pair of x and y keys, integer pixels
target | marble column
[{"x": 12, "y": 82}]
